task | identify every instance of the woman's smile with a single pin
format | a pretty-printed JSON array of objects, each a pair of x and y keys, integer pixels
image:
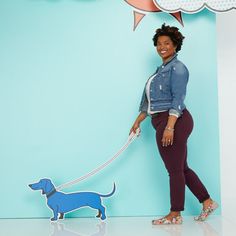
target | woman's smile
[
  {"x": 163, "y": 52},
  {"x": 165, "y": 47}
]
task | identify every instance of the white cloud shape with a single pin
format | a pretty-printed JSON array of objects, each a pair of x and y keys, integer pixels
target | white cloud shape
[{"x": 193, "y": 6}]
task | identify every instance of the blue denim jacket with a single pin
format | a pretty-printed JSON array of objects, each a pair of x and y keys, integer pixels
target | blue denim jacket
[{"x": 167, "y": 89}]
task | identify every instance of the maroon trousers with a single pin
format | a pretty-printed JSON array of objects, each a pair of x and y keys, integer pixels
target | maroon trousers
[{"x": 175, "y": 160}]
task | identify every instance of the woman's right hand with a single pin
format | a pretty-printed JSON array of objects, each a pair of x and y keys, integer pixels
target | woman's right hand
[
  {"x": 134, "y": 128},
  {"x": 137, "y": 122}
]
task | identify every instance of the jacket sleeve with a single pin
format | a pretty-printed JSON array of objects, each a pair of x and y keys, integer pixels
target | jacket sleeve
[
  {"x": 143, "y": 107},
  {"x": 179, "y": 80}
]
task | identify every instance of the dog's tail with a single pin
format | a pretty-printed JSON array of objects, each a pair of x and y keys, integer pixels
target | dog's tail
[{"x": 110, "y": 194}]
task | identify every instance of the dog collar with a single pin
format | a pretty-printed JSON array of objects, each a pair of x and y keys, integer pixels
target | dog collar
[{"x": 51, "y": 193}]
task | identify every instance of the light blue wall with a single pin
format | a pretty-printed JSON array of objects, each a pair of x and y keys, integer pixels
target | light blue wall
[{"x": 71, "y": 78}]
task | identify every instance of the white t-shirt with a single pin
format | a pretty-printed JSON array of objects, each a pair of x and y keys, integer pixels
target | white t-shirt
[{"x": 148, "y": 96}]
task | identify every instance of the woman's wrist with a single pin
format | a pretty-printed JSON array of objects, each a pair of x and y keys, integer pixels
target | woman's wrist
[
  {"x": 171, "y": 123},
  {"x": 141, "y": 117},
  {"x": 169, "y": 128}
]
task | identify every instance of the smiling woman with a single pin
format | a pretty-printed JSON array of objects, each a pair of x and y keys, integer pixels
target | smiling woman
[
  {"x": 167, "y": 41},
  {"x": 163, "y": 100}
]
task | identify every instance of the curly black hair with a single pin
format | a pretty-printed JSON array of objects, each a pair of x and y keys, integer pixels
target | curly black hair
[{"x": 171, "y": 31}]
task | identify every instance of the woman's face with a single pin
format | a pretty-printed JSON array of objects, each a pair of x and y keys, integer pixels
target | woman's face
[{"x": 165, "y": 47}]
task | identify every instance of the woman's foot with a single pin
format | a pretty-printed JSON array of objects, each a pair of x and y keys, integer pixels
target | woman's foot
[
  {"x": 207, "y": 203},
  {"x": 171, "y": 218},
  {"x": 208, "y": 207}
]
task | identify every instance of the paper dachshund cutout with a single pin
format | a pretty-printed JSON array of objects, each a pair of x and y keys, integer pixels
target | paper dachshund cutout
[{"x": 61, "y": 203}]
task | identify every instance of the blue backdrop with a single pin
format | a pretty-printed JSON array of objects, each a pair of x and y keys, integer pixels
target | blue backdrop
[{"x": 71, "y": 79}]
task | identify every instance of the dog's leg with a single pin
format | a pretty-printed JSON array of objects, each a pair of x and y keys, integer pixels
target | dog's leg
[
  {"x": 99, "y": 214},
  {"x": 61, "y": 216},
  {"x": 55, "y": 212},
  {"x": 102, "y": 210}
]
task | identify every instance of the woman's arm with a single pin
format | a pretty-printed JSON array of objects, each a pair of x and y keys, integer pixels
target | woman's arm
[
  {"x": 179, "y": 80},
  {"x": 168, "y": 134},
  {"x": 139, "y": 119}
]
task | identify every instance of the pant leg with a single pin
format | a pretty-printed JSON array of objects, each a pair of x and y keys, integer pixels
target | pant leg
[
  {"x": 194, "y": 183},
  {"x": 174, "y": 157}
]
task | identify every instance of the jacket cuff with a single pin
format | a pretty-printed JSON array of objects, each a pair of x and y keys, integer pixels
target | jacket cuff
[
  {"x": 143, "y": 109},
  {"x": 173, "y": 112}
]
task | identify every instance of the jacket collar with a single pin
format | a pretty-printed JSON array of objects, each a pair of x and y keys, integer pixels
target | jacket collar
[{"x": 171, "y": 59}]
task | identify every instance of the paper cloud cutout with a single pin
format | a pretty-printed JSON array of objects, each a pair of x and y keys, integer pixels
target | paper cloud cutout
[
  {"x": 195, "y": 6},
  {"x": 146, "y": 6}
]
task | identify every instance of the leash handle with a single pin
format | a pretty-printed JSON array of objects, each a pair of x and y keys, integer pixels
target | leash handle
[
  {"x": 134, "y": 135},
  {"x": 131, "y": 138}
]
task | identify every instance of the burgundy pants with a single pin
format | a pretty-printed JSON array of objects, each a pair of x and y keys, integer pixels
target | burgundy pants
[{"x": 175, "y": 160}]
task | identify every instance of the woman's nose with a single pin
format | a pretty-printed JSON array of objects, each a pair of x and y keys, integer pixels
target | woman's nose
[{"x": 161, "y": 47}]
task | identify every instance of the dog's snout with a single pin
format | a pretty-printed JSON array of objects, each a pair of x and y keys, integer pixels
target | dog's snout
[{"x": 30, "y": 185}]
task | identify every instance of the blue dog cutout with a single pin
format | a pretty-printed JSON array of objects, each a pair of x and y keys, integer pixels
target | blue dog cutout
[{"x": 61, "y": 203}]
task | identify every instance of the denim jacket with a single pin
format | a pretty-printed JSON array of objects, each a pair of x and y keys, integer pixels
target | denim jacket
[{"x": 167, "y": 89}]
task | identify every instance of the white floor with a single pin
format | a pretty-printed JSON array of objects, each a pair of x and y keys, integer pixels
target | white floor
[{"x": 116, "y": 226}]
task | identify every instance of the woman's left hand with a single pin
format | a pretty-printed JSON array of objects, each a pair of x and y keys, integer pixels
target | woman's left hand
[{"x": 167, "y": 138}]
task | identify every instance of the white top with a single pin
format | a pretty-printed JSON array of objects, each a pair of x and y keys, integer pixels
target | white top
[{"x": 148, "y": 96}]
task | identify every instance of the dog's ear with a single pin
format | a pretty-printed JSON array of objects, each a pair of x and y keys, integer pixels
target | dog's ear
[
  {"x": 43, "y": 189},
  {"x": 48, "y": 186},
  {"x": 44, "y": 185}
]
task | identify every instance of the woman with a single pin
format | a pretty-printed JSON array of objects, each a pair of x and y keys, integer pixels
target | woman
[{"x": 163, "y": 100}]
